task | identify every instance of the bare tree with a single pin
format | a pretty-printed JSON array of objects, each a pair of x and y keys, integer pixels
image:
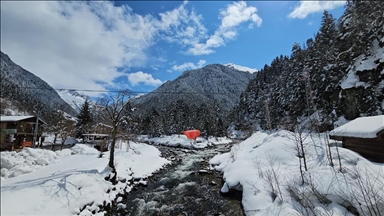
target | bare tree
[
  {"x": 328, "y": 148},
  {"x": 368, "y": 192},
  {"x": 299, "y": 138},
  {"x": 116, "y": 108},
  {"x": 66, "y": 129},
  {"x": 56, "y": 124}
]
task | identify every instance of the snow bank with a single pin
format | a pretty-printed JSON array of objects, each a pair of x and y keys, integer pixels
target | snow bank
[
  {"x": 250, "y": 164},
  {"x": 76, "y": 180},
  {"x": 180, "y": 140},
  {"x": 27, "y": 160},
  {"x": 84, "y": 149}
]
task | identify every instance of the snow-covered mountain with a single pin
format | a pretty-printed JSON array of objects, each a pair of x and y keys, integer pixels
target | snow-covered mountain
[
  {"x": 73, "y": 98},
  {"x": 198, "y": 97},
  {"x": 214, "y": 83},
  {"x": 241, "y": 68},
  {"x": 29, "y": 92}
]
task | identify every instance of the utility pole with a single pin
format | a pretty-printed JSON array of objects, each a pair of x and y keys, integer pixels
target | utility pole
[{"x": 36, "y": 129}]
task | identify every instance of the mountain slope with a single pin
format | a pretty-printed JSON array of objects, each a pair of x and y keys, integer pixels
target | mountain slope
[
  {"x": 333, "y": 77},
  {"x": 18, "y": 84},
  {"x": 212, "y": 84},
  {"x": 213, "y": 90},
  {"x": 73, "y": 98}
]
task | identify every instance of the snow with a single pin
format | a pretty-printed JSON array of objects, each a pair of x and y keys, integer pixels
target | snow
[
  {"x": 241, "y": 68},
  {"x": 363, "y": 63},
  {"x": 63, "y": 182},
  {"x": 363, "y": 127},
  {"x": 247, "y": 167},
  {"x": 236, "y": 134},
  {"x": 48, "y": 140},
  {"x": 14, "y": 118},
  {"x": 74, "y": 99},
  {"x": 340, "y": 121},
  {"x": 180, "y": 140},
  {"x": 27, "y": 160}
]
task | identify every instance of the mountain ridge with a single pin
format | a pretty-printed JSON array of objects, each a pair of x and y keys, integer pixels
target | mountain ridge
[
  {"x": 29, "y": 90},
  {"x": 213, "y": 90},
  {"x": 197, "y": 82}
]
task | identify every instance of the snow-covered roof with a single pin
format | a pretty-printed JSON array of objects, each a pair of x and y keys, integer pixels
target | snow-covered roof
[
  {"x": 14, "y": 118},
  {"x": 95, "y": 134},
  {"x": 363, "y": 127}
]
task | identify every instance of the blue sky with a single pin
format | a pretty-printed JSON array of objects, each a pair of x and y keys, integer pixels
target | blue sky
[{"x": 139, "y": 45}]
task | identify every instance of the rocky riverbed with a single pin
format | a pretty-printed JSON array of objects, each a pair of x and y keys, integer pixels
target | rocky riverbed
[{"x": 186, "y": 187}]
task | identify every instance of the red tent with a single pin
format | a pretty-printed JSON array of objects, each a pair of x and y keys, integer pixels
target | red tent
[{"x": 192, "y": 134}]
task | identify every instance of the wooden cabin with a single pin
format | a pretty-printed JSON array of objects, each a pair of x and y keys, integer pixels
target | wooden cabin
[
  {"x": 364, "y": 135},
  {"x": 18, "y": 131}
]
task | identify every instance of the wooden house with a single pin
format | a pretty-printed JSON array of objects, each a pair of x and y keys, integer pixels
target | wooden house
[
  {"x": 364, "y": 135},
  {"x": 18, "y": 131},
  {"x": 99, "y": 136}
]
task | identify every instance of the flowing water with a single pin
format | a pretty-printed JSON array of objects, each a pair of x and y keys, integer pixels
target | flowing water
[{"x": 187, "y": 187}]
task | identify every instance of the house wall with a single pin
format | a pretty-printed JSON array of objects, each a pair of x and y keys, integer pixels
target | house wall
[
  {"x": 6, "y": 138},
  {"x": 23, "y": 137},
  {"x": 372, "y": 149},
  {"x": 3, "y": 136}
]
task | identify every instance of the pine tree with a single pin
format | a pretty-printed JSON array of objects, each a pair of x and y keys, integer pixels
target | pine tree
[
  {"x": 325, "y": 74},
  {"x": 84, "y": 119}
]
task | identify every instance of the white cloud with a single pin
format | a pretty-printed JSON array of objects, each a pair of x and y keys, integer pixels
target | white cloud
[
  {"x": 183, "y": 27},
  {"x": 86, "y": 44},
  {"x": 304, "y": 8},
  {"x": 75, "y": 44},
  {"x": 81, "y": 45},
  {"x": 310, "y": 23},
  {"x": 231, "y": 17},
  {"x": 141, "y": 77},
  {"x": 188, "y": 65}
]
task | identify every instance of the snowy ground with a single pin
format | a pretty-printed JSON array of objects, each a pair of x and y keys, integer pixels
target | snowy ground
[
  {"x": 49, "y": 138},
  {"x": 42, "y": 182},
  {"x": 180, "y": 140},
  {"x": 266, "y": 168}
]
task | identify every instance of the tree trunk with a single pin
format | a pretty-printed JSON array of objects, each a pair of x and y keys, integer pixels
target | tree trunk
[
  {"x": 111, "y": 163},
  {"x": 62, "y": 144},
  {"x": 54, "y": 142},
  {"x": 302, "y": 152}
]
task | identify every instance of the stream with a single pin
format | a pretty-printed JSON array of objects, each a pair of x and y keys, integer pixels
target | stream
[{"x": 185, "y": 187}]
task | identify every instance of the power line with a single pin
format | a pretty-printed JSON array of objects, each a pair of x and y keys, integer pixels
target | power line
[{"x": 111, "y": 91}]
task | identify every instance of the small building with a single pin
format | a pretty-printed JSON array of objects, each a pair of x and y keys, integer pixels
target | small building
[
  {"x": 364, "y": 135},
  {"x": 99, "y": 141},
  {"x": 18, "y": 131}
]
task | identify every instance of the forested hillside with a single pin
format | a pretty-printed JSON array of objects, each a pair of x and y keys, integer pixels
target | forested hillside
[
  {"x": 19, "y": 86},
  {"x": 200, "y": 99},
  {"x": 337, "y": 74}
]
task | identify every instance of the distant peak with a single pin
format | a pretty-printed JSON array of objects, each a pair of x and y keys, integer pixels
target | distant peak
[{"x": 241, "y": 68}]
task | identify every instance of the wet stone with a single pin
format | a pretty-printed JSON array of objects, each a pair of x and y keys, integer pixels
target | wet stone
[
  {"x": 184, "y": 187},
  {"x": 213, "y": 183},
  {"x": 203, "y": 172}
]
